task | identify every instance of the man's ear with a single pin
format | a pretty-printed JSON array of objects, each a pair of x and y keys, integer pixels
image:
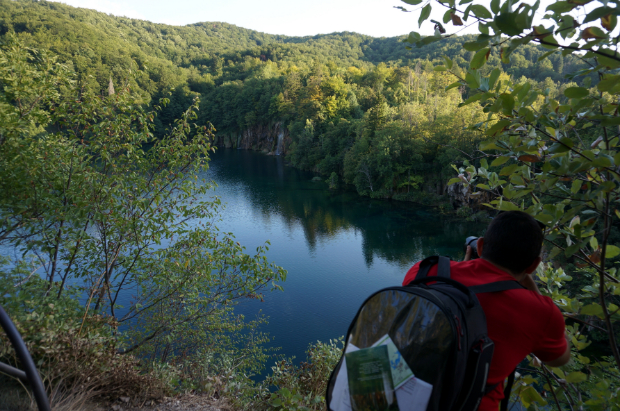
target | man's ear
[
  {"x": 479, "y": 245},
  {"x": 533, "y": 266}
]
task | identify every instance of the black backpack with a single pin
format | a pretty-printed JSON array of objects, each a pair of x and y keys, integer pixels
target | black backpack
[{"x": 441, "y": 332}]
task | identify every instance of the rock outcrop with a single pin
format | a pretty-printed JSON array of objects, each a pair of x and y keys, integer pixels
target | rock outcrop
[
  {"x": 462, "y": 195},
  {"x": 273, "y": 139}
]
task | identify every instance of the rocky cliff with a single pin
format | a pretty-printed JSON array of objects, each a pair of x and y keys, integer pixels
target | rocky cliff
[
  {"x": 272, "y": 139},
  {"x": 462, "y": 195}
]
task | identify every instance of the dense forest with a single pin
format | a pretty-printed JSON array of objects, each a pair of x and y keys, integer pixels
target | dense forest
[
  {"x": 359, "y": 110},
  {"x": 107, "y": 124}
]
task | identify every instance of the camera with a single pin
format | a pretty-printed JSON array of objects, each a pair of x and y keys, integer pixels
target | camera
[{"x": 472, "y": 241}]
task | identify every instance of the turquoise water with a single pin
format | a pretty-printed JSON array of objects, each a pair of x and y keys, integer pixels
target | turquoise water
[{"x": 338, "y": 247}]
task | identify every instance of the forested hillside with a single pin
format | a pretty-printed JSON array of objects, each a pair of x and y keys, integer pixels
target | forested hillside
[{"x": 358, "y": 109}]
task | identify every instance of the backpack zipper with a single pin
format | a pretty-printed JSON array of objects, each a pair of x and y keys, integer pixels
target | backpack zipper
[{"x": 459, "y": 330}]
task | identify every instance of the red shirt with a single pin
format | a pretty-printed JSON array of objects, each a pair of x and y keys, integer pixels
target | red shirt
[{"x": 519, "y": 322}]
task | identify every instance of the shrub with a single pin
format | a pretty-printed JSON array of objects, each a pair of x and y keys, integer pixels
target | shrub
[
  {"x": 76, "y": 353},
  {"x": 302, "y": 387}
]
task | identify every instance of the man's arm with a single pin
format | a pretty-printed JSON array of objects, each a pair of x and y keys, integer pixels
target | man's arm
[
  {"x": 563, "y": 359},
  {"x": 529, "y": 283}
]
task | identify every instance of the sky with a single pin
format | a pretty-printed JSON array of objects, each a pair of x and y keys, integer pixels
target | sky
[{"x": 377, "y": 18}]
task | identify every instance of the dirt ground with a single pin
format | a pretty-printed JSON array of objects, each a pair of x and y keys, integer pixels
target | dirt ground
[
  {"x": 180, "y": 403},
  {"x": 14, "y": 401}
]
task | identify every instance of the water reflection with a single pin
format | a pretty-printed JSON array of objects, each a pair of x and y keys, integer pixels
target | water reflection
[{"x": 395, "y": 231}]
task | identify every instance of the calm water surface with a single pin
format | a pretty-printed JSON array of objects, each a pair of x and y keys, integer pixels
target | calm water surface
[{"x": 337, "y": 247}]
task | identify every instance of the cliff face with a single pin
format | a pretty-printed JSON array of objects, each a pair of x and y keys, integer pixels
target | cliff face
[
  {"x": 273, "y": 139},
  {"x": 461, "y": 195}
]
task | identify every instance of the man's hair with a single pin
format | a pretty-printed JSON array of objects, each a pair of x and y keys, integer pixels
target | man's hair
[{"x": 513, "y": 240}]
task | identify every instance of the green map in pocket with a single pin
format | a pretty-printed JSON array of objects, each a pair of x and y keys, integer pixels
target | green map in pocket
[{"x": 370, "y": 380}]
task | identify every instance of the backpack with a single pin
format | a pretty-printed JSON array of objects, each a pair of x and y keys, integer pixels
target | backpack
[{"x": 440, "y": 332}]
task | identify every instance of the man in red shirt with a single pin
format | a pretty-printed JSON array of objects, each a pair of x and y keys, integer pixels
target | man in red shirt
[{"x": 519, "y": 321}]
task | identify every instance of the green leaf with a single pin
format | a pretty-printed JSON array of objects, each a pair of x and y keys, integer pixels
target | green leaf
[
  {"x": 611, "y": 251},
  {"x": 448, "y": 62},
  {"x": 576, "y": 92},
  {"x": 555, "y": 251},
  {"x": 567, "y": 142},
  {"x": 412, "y": 2},
  {"x": 599, "y": 13},
  {"x": 529, "y": 395},
  {"x": 454, "y": 181},
  {"x": 414, "y": 37},
  {"x": 490, "y": 145},
  {"x": 609, "y": 62},
  {"x": 570, "y": 250},
  {"x": 499, "y": 161},
  {"x": 495, "y": 6},
  {"x": 426, "y": 11},
  {"x": 508, "y": 170},
  {"x": 440, "y": 68},
  {"x": 547, "y": 54},
  {"x": 427, "y": 40},
  {"x": 508, "y": 206},
  {"x": 505, "y": 55},
  {"x": 609, "y": 22},
  {"x": 608, "y": 82},
  {"x": 507, "y": 23},
  {"x": 575, "y": 376},
  {"x": 602, "y": 162},
  {"x": 592, "y": 309},
  {"x": 453, "y": 85},
  {"x": 474, "y": 98},
  {"x": 557, "y": 148},
  {"x": 480, "y": 58},
  {"x": 508, "y": 103},
  {"x": 594, "y": 243},
  {"x": 493, "y": 77},
  {"x": 473, "y": 79},
  {"x": 481, "y": 11},
  {"x": 522, "y": 93},
  {"x": 498, "y": 127},
  {"x": 473, "y": 45},
  {"x": 593, "y": 33},
  {"x": 561, "y": 6},
  {"x": 610, "y": 121}
]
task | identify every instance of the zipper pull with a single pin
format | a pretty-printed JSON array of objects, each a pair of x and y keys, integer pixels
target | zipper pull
[{"x": 459, "y": 331}]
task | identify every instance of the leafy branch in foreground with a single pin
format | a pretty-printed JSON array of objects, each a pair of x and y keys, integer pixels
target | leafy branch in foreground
[{"x": 558, "y": 160}]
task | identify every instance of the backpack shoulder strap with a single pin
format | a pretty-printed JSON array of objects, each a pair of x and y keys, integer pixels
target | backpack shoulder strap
[
  {"x": 507, "y": 391},
  {"x": 443, "y": 266},
  {"x": 496, "y": 286}
]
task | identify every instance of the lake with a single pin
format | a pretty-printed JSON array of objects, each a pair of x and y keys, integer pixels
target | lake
[{"x": 338, "y": 247}]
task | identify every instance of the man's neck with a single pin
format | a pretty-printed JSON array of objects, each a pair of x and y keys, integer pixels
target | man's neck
[
  {"x": 518, "y": 277},
  {"x": 524, "y": 278}
]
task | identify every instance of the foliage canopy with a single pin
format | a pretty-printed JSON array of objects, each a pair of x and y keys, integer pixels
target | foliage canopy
[{"x": 557, "y": 158}]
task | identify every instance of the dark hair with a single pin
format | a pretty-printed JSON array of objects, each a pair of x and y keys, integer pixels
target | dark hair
[{"x": 513, "y": 240}]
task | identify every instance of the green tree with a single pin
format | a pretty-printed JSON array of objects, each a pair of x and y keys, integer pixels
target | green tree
[
  {"x": 558, "y": 161},
  {"x": 103, "y": 206}
]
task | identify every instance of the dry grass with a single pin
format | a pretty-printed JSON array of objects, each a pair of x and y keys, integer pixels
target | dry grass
[{"x": 77, "y": 369}]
